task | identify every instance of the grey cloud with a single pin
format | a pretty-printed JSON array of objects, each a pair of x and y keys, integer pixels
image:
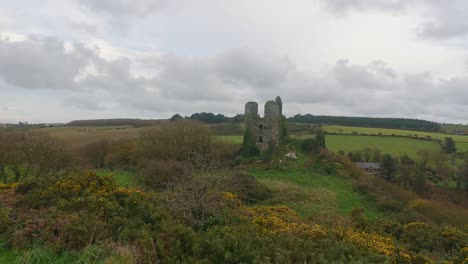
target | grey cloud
[
  {"x": 374, "y": 76},
  {"x": 449, "y": 20},
  {"x": 41, "y": 63},
  {"x": 124, "y": 7},
  {"x": 258, "y": 70},
  {"x": 343, "y": 6},
  {"x": 222, "y": 76},
  {"x": 83, "y": 27},
  {"x": 224, "y": 81}
]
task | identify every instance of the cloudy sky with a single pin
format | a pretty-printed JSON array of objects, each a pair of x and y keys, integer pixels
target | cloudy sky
[{"x": 83, "y": 59}]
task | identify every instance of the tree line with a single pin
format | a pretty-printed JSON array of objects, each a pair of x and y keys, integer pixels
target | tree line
[{"x": 395, "y": 123}]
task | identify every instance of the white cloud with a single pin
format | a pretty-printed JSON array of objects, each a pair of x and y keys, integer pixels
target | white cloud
[{"x": 154, "y": 58}]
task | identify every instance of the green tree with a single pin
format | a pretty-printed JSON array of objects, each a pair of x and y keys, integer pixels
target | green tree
[
  {"x": 419, "y": 183},
  {"x": 388, "y": 168},
  {"x": 176, "y": 117},
  {"x": 321, "y": 138},
  {"x": 449, "y": 146},
  {"x": 465, "y": 176}
]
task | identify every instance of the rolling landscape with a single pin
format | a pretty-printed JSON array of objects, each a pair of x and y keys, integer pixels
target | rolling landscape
[{"x": 233, "y": 132}]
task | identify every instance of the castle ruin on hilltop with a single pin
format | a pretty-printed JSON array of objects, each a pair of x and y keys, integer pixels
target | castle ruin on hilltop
[{"x": 264, "y": 132}]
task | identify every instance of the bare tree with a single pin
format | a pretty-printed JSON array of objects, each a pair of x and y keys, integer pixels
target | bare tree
[{"x": 30, "y": 152}]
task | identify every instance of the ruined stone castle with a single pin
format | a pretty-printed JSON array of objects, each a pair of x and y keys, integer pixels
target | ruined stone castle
[{"x": 265, "y": 131}]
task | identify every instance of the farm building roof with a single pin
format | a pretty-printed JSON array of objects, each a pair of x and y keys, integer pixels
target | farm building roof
[{"x": 368, "y": 165}]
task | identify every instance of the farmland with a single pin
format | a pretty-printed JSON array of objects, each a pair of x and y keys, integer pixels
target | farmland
[
  {"x": 389, "y": 132},
  {"x": 230, "y": 133},
  {"x": 460, "y": 140},
  {"x": 77, "y": 136},
  {"x": 394, "y": 146}
]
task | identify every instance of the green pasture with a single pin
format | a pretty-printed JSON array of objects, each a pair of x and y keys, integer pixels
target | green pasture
[
  {"x": 450, "y": 128},
  {"x": 311, "y": 193},
  {"x": 231, "y": 139},
  {"x": 394, "y": 146},
  {"x": 122, "y": 178},
  {"x": 389, "y": 132}
]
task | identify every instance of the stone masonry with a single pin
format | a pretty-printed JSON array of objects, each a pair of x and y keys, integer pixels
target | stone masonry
[{"x": 266, "y": 130}]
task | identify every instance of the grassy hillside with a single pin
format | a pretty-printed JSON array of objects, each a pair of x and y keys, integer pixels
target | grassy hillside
[
  {"x": 312, "y": 193},
  {"x": 392, "y": 145}
]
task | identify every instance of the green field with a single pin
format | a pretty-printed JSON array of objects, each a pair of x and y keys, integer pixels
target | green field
[
  {"x": 461, "y": 141},
  {"x": 311, "y": 193},
  {"x": 394, "y": 146},
  {"x": 391, "y": 145},
  {"x": 122, "y": 178},
  {"x": 231, "y": 139},
  {"x": 389, "y": 132},
  {"x": 448, "y": 128}
]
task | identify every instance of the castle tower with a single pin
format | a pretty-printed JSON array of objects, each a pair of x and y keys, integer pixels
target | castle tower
[{"x": 265, "y": 131}]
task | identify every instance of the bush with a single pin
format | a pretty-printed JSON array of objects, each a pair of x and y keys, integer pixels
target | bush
[
  {"x": 97, "y": 152},
  {"x": 361, "y": 188},
  {"x": 123, "y": 153},
  {"x": 311, "y": 145},
  {"x": 159, "y": 174},
  {"x": 420, "y": 236},
  {"x": 247, "y": 188},
  {"x": 4, "y": 218},
  {"x": 180, "y": 140}
]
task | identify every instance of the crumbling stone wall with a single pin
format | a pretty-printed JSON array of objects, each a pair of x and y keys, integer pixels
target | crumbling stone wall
[{"x": 265, "y": 131}]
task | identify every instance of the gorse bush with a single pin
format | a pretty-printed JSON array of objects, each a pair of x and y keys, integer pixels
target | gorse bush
[
  {"x": 160, "y": 174},
  {"x": 200, "y": 221}
]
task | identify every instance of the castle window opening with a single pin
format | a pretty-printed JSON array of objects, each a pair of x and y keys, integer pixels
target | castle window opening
[
  {"x": 260, "y": 126},
  {"x": 260, "y": 139}
]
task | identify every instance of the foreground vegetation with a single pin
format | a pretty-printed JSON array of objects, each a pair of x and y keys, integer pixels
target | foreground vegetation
[{"x": 177, "y": 194}]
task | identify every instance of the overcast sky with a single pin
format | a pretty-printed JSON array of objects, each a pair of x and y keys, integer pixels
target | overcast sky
[{"x": 85, "y": 59}]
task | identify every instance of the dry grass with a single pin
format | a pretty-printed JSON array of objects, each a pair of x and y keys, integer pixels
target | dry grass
[{"x": 76, "y": 137}]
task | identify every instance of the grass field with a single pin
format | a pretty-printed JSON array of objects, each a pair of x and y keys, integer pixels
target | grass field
[
  {"x": 75, "y": 137},
  {"x": 122, "y": 178},
  {"x": 461, "y": 141},
  {"x": 399, "y": 132},
  {"x": 394, "y": 146},
  {"x": 312, "y": 193},
  {"x": 451, "y": 128},
  {"x": 78, "y": 136},
  {"x": 231, "y": 139}
]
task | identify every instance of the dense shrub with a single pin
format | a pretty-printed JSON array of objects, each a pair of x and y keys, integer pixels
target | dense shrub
[
  {"x": 159, "y": 174},
  {"x": 310, "y": 145},
  {"x": 97, "y": 152},
  {"x": 204, "y": 219},
  {"x": 246, "y": 187},
  {"x": 123, "y": 153},
  {"x": 179, "y": 140}
]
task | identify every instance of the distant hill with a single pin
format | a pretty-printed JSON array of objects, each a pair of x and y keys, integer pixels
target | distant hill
[
  {"x": 396, "y": 123},
  {"x": 210, "y": 118},
  {"x": 116, "y": 122}
]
